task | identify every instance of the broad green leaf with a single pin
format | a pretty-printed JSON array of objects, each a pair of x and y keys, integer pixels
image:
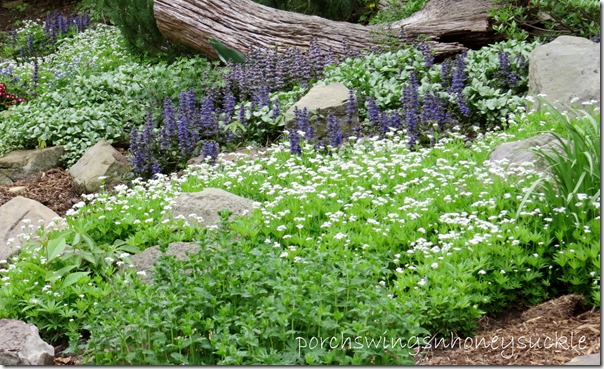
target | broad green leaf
[
  {"x": 55, "y": 247},
  {"x": 73, "y": 278},
  {"x": 52, "y": 276},
  {"x": 227, "y": 54}
]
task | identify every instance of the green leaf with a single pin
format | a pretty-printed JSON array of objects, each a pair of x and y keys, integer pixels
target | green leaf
[
  {"x": 52, "y": 276},
  {"x": 73, "y": 278},
  {"x": 227, "y": 54},
  {"x": 55, "y": 247}
]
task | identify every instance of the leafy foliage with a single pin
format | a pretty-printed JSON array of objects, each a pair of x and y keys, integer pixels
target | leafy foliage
[
  {"x": 397, "y": 10},
  {"x": 104, "y": 98},
  {"x": 241, "y": 303},
  {"x": 572, "y": 192},
  {"x": 35, "y": 39},
  {"x": 547, "y": 19},
  {"x": 135, "y": 20}
]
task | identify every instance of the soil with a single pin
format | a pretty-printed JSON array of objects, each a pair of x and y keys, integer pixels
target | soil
[{"x": 552, "y": 333}]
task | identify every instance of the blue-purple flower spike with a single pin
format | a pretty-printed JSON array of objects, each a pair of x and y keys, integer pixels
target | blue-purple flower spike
[
  {"x": 410, "y": 101},
  {"x": 209, "y": 151},
  {"x": 458, "y": 82},
  {"x": 294, "y": 142},
  {"x": 334, "y": 133}
]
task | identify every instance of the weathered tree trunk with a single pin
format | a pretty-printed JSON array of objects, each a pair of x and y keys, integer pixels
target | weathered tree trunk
[{"x": 450, "y": 25}]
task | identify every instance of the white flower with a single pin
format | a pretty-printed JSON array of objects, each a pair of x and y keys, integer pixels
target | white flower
[
  {"x": 283, "y": 254},
  {"x": 281, "y": 228},
  {"x": 339, "y": 236},
  {"x": 502, "y": 271},
  {"x": 482, "y": 272},
  {"x": 141, "y": 272},
  {"x": 434, "y": 265},
  {"x": 422, "y": 282},
  {"x": 399, "y": 270}
]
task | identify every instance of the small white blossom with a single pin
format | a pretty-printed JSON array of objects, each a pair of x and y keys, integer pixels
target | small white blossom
[{"x": 339, "y": 236}]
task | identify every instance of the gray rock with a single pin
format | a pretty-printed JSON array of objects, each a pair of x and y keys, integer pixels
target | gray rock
[
  {"x": 519, "y": 152},
  {"x": 20, "y": 344},
  {"x": 100, "y": 160},
  {"x": 565, "y": 69},
  {"x": 16, "y": 213},
  {"x": 4, "y": 179},
  {"x": 208, "y": 203},
  {"x": 21, "y": 163},
  {"x": 320, "y": 101},
  {"x": 593, "y": 359},
  {"x": 145, "y": 260}
]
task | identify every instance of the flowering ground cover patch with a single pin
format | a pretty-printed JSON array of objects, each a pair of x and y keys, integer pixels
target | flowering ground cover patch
[
  {"x": 437, "y": 233},
  {"x": 403, "y": 232}
]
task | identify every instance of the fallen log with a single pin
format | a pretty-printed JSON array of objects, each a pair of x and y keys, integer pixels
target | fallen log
[{"x": 449, "y": 26}]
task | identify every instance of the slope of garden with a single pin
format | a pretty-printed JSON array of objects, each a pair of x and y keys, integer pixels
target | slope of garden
[{"x": 399, "y": 231}]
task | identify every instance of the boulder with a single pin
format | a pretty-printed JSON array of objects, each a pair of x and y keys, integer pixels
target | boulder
[
  {"x": 143, "y": 262},
  {"x": 320, "y": 101},
  {"x": 100, "y": 164},
  {"x": 20, "y": 344},
  {"x": 520, "y": 152},
  {"x": 16, "y": 214},
  {"x": 567, "y": 71},
  {"x": 593, "y": 359},
  {"x": 21, "y": 163},
  {"x": 208, "y": 203}
]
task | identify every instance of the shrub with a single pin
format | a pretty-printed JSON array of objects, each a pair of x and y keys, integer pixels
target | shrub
[
  {"x": 135, "y": 20},
  {"x": 397, "y": 10},
  {"x": 547, "y": 19}
]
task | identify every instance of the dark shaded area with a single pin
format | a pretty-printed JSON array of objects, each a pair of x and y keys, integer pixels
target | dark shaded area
[{"x": 12, "y": 13}]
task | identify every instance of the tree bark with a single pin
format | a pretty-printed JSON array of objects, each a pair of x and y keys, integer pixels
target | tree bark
[{"x": 450, "y": 26}]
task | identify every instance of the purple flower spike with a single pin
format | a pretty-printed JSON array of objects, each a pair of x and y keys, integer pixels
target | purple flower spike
[{"x": 334, "y": 133}]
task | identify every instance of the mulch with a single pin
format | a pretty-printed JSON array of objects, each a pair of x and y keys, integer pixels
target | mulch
[
  {"x": 551, "y": 333},
  {"x": 53, "y": 188}
]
